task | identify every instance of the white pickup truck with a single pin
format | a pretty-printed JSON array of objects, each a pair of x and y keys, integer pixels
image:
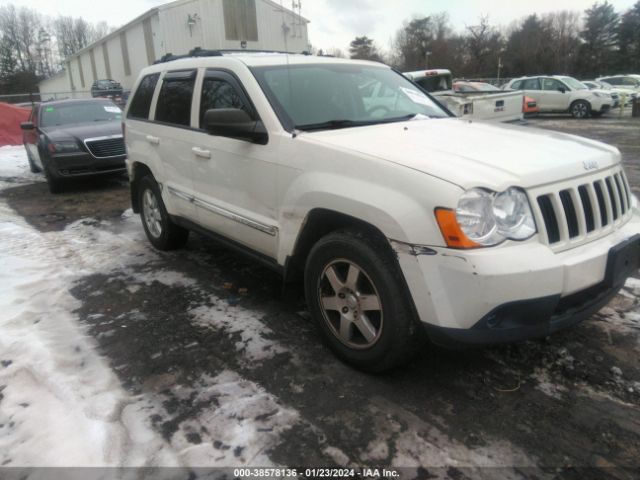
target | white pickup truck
[{"x": 499, "y": 106}]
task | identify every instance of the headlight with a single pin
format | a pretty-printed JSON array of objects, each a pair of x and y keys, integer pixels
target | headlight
[
  {"x": 64, "y": 146},
  {"x": 488, "y": 218}
]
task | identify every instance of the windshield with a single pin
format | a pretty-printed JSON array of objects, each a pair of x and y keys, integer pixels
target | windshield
[
  {"x": 79, "y": 112},
  {"x": 309, "y": 97},
  {"x": 574, "y": 84}
]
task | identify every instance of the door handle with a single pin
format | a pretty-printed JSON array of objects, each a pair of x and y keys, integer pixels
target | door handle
[
  {"x": 153, "y": 140},
  {"x": 199, "y": 152}
]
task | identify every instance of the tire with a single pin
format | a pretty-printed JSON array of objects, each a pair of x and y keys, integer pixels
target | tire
[
  {"x": 389, "y": 333},
  {"x": 580, "y": 109},
  {"x": 56, "y": 185},
  {"x": 161, "y": 231},
  {"x": 32, "y": 165}
]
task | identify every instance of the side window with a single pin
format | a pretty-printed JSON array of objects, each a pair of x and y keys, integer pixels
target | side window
[
  {"x": 517, "y": 85},
  {"x": 531, "y": 84},
  {"x": 613, "y": 80},
  {"x": 218, "y": 93},
  {"x": 629, "y": 81},
  {"x": 174, "y": 100},
  {"x": 551, "y": 84},
  {"x": 141, "y": 102}
]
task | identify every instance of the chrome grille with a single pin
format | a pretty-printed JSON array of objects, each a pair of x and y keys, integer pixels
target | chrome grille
[
  {"x": 106, "y": 146},
  {"x": 584, "y": 209}
]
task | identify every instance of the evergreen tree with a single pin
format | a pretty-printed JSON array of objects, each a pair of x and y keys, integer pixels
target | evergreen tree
[
  {"x": 363, "y": 48},
  {"x": 600, "y": 36}
]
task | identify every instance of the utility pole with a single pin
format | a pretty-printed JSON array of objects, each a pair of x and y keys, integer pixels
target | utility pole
[
  {"x": 499, "y": 68},
  {"x": 426, "y": 59}
]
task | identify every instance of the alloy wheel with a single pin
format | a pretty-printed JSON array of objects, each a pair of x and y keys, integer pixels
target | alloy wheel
[
  {"x": 350, "y": 303},
  {"x": 152, "y": 213}
]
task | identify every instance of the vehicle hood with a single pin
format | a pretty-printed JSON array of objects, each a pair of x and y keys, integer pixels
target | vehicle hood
[
  {"x": 82, "y": 131},
  {"x": 475, "y": 154}
]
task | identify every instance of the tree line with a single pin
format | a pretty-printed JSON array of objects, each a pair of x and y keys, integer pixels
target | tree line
[
  {"x": 32, "y": 46},
  {"x": 587, "y": 44}
]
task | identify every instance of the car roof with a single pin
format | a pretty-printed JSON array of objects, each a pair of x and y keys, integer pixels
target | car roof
[
  {"x": 256, "y": 59},
  {"x": 71, "y": 101}
]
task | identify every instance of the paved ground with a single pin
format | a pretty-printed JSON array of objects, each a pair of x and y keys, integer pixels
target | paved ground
[{"x": 170, "y": 323}]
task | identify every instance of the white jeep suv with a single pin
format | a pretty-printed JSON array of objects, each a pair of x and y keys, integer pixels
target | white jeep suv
[
  {"x": 400, "y": 219},
  {"x": 559, "y": 94}
]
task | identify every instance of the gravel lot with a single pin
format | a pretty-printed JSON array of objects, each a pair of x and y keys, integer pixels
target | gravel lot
[{"x": 228, "y": 376}]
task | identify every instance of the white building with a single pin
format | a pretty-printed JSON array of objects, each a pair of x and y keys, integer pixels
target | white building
[{"x": 176, "y": 28}]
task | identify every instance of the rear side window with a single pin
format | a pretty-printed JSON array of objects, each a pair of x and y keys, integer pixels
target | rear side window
[
  {"x": 531, "y": 84},
  {"x": 218, "y": 93},
  {"x": 174, "y": 100},
  {"x": 141, "y": 102},
  {"x": 517, "y": 85}
]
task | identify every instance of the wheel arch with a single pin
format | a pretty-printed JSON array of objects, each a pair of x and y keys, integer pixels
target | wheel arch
[
  {"x": 318, "y": 223},
  {"x": 138, "y": 170}
]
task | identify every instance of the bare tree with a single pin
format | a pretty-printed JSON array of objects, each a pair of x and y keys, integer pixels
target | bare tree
[{"x": 484, "y": 44}]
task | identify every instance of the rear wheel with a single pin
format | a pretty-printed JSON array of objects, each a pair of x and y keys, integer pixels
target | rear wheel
[
  {"x": 580, "y": 109},
  {"x": 161, "y": 231},
  {"x": 357, "y": 296}
]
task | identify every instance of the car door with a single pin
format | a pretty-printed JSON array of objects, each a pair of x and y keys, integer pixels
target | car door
[
  {"x": 554, "y": 95},
  {"x": 31, "y": 137},
  {"x": 172, "y": 137},
  {"x": 234, "y": 180}
]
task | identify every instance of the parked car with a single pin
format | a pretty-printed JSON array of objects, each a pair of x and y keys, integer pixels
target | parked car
[
  {"x": 627, "y": 81},
  {"x": 600, "y": 88},
  {"x": 399, "y": 223},
  {"x": 106, "y": 88},
  {"x": 559, "y": 94},
  {"x": 491, "y": 104},
  {"x": 74, "y": 138},
  {"x": 619, "y": 93}
]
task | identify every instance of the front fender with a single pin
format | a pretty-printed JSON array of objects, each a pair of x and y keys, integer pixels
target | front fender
[{"x": 396, "y": 214}]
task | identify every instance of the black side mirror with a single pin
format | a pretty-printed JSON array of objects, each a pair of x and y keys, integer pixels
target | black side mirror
[
  {"x": 562, "y": 89},
  {"x": 27, "y": 126},
  {"x": 235, "y": 123}
]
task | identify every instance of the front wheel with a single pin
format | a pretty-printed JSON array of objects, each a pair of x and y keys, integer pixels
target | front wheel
[
  {"x": 580, "y": 109},
  {"x": 161, "y": 231},
  {"x": 32, "y": 164},
  {"x": 358, "y": 299}
]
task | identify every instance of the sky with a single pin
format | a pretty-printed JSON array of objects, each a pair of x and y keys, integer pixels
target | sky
[{"x": 334, "y": 23}]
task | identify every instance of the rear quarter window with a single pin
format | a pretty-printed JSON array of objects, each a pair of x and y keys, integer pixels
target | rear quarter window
[{"x": 141, "y": 102}]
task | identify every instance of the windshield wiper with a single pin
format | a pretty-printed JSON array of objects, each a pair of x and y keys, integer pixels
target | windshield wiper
[
  {"x": 332, "y": 125},
  {"x": 336, "y": 124}
]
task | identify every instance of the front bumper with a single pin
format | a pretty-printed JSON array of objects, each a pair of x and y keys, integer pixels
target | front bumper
[
  {"x": 514, "y": 292},
  {"x": 83, "y": 164}
]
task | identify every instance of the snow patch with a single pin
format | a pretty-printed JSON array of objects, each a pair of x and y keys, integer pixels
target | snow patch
[
  {"x": 14, "y": 167},
  {"x": 57, "y": 386},
  {"x": 237, "y": 320}
]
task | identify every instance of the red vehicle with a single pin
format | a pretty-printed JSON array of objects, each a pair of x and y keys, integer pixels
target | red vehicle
[{"x": 529, "y": 106}]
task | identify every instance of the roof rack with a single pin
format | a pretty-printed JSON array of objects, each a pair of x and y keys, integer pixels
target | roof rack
[{"x": 200, "y": 52}]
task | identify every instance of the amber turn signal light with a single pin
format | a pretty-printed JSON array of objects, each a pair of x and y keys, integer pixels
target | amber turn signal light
[{"x": 451, "y": 231}]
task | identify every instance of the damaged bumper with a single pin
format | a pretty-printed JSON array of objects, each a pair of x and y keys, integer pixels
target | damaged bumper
[{"x": 515, "y": 292}]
